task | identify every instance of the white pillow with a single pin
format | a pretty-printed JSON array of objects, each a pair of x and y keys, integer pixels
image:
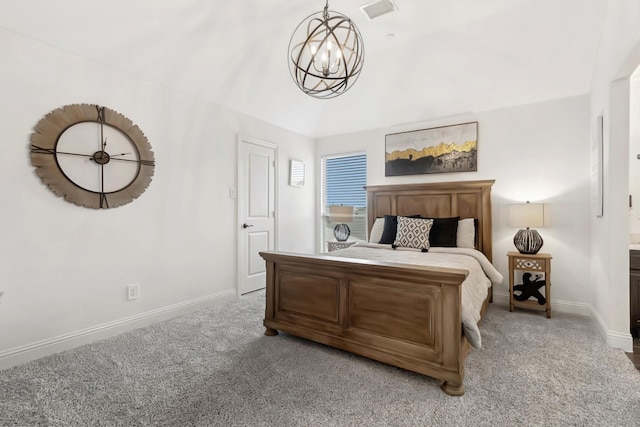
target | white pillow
[
  {"x": 376, "y": 231},
  {"x": 466, "y": 237},
  {"x": 413, "y": 233}
]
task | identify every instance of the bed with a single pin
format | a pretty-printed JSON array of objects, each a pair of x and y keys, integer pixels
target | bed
[{"x": 405, "y": 315}]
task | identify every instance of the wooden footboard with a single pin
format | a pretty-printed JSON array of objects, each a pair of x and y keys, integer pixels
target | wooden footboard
[{"x": 406, "y": 316}]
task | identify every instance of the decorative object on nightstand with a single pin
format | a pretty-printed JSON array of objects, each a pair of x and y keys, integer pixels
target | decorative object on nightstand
[
  {"x": 526, "y": 240},
  {"x": 334, "y": 246},
  {"x": 341, "y": 215},
  {"x": 536, "y": 273}
]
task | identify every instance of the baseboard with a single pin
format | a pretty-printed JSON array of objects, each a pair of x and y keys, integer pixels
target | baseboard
[
  {"x": 558, "y": 306},
  {"x": 500, "y": 298},
  {"x": 612, "y": 339},
  {"x": 23, "y": 354},
  {"x": 619, "y": 340}
]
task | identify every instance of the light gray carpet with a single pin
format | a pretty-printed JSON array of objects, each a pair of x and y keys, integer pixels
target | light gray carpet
[{"x": 215, "y": 367}]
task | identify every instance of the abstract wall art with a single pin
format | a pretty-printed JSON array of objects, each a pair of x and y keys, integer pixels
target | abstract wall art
[{"x": 436, "y": 150}]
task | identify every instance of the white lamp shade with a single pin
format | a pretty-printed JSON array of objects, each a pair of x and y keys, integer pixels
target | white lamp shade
[
  {"x": 526, "y": 215},
  {"x": 340, "y": 213}
]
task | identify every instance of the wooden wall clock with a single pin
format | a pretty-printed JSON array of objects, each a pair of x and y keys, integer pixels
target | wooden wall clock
[{"x": 92, "y": 156}]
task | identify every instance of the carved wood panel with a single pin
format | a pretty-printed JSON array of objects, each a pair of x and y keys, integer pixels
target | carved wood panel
[
  {"x": 374, "y": 308},
  {"x": 308, "y": 295},
  {"x": 467, "y": 199}
]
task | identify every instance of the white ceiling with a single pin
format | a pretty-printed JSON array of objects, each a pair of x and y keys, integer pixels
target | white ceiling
[{"x": 447, "y": 57}]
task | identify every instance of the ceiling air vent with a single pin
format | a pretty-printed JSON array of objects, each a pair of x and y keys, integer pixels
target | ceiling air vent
[{"x": 378, "y": 8}]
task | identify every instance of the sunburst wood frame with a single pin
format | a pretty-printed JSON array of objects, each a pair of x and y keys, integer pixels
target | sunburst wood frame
[{"x": 43, "y": 155}]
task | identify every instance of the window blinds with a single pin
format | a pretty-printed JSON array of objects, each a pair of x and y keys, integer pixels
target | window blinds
[{"x": 345, "y": 178}]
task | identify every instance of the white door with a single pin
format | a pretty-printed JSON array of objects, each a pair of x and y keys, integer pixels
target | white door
[{"x": 256, "y": 210}]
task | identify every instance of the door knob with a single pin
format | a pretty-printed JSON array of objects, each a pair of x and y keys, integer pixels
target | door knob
[{"x": 245, "y": 225}]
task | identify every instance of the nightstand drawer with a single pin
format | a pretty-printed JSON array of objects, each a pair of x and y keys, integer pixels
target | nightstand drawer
[{"x": 529, "y": 264}]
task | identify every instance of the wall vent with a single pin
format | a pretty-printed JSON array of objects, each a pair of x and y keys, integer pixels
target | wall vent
[{"x": 378, "y": 8}]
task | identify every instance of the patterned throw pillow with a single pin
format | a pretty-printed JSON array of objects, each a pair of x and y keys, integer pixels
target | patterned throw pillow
[{"x": 413, "y": 233}]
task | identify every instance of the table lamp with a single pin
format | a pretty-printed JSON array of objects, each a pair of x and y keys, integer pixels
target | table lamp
[
  {"x": 527, "y": 215},
  {"x": 341, "y": 214}
]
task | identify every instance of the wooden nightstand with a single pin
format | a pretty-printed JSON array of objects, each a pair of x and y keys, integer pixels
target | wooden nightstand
[
  {"x": 334, "y": 245},
  {"x": 534, "y": 268}
]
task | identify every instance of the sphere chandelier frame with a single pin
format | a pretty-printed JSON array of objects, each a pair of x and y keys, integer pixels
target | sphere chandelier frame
[{"x": 326, "y": 54}]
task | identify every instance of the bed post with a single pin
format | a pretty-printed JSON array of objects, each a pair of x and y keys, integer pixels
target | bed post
[{"x": 270, "y": 302}]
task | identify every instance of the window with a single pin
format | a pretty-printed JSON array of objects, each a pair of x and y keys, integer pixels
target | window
[{"x": 343, "y": 181}]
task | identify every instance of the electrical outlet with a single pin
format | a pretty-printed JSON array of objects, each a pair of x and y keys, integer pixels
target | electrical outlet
[{"x": 133, "y": 291}]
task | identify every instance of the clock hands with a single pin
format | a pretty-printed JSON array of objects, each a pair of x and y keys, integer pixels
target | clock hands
[
  {"x": 100, "y": 157},
  {"x": 36, "y": 149},
  {"x": 101, "y": 119},
  {"x": 141, "y": 161}
]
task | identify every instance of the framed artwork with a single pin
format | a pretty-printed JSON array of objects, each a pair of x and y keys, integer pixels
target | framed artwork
[
  {"x": 436, "y": 150},
  {"x": 296, "y": 173}
]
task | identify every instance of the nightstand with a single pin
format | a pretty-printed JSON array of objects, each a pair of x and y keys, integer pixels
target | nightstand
[
  {"x": 536, "y": 274},
  {"x": 334, "y": 245}
]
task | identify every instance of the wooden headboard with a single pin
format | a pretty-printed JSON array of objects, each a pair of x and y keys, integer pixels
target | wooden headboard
[{"x": 466, "y": 199}]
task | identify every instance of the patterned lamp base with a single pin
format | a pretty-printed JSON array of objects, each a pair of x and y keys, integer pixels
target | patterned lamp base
[
  {"x": 528, "y": 241},
  {"x": 341, "y": 232}
]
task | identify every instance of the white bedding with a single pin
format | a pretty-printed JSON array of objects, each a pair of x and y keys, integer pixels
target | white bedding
[{"x": 474, "y": 289}]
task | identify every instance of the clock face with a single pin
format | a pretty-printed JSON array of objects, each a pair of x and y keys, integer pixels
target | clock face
[{"x": 92, "y": 156}]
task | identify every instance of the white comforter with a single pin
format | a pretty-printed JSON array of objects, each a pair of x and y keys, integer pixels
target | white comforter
[{"x": 474, "y": 289}]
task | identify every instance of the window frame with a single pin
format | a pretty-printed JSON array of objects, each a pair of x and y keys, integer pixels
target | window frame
[{"x": 323, "y": 194}]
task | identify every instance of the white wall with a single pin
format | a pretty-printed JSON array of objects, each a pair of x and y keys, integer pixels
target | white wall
[
  {"x": 64, "y": 269},
  {"x": 618, "y": 57},
  {"x": 538, "y": 152}
]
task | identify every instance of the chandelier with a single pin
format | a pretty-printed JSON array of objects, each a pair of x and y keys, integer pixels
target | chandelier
[{"x": 326, "y": 54}]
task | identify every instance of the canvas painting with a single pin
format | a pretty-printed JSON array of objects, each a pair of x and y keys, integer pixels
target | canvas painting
[{"x": 435, "y": 150}]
